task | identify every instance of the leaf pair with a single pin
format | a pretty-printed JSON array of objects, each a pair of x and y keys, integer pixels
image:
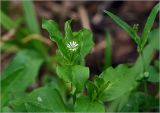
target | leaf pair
[
  {"x": 92, "y": 102},
  {"x": 76, "y": 75},
  {"x": 74, "y": 46},
  {"x": 132, "y": 32},
  {"x": 122, "y": 80},
  {"x": 96, "y": 88}
]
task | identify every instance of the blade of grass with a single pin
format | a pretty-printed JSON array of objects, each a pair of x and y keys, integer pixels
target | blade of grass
[
  {"x": 125, "y": 26},
  {"x": 108, "y": 50},
  {"x": 149, "y": 24},
  {"x": 30, "y": 16},
  {"x": 32, "y": 23},
  {"x": 6, "y": 22}
]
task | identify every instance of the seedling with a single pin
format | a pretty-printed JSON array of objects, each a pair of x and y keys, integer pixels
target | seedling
[{"x": 132, "y": 31}]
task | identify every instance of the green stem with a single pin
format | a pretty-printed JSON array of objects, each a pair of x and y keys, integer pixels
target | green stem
[
  {"x": 74, "y": 98},
  {"x": 143, "y": 70},
  {"x": 145, "y": 87},
  {"x": 143, "y": 62},
  {"x": 73, "y": 94}
]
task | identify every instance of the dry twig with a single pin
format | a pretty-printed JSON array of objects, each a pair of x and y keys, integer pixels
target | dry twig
[
  {"x": 84, "y": 17},
  {"x": 8, "y": 35},
  {"x": 37, "y": 37}
]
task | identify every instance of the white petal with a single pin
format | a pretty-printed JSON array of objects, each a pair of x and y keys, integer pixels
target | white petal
[{"x": 76, "y": 44}]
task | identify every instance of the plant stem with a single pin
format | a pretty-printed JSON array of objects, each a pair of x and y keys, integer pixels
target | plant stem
[
  {"x": 143, "y": 70},
  {"x": 143, "y": 62},
  {"x": 74, "y": 98},
  {"x": 73, "y": 94},
  {"x": 145, "y": 87}
]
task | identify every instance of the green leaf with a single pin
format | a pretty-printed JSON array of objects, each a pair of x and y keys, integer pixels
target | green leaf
[
  {"x": 68, "y": 30},
  {"x": 149, "y": 24},
  {"x": 30, "y": 16},
  {"x": 91, "y": 92},
  {"x": 125, "y": 26},
  {"x": 44, "y": 99},
  {"x": 100, "y": 85},
  {"x": 84, "y": 104},
  {"x": 52, "y": 27},
  {"x": 65, "y": 73},
  {"x": 86, "y": 39},
  {"x": 95, "y": 90},
  {"x": 157, "y": 64},
  {"x": 139, "y": 101},
  {"x": 19, "y": 74},
  {"x": 117, "y": 104},
  {"x": 135, "y": 102},
  {"x": 33, "y": 107},
  {"x": 121, "y": 79},
  {"x": 77, "y": 75},
  {"x": 98, "y": 81},
  {"x": 153, "y": 75},
  {"x": 7, "y": 109},
  {"x": 80, "y": 76},
  {"x": 108, "y": 50}
]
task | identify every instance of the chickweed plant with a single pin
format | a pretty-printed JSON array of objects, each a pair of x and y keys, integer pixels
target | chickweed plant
[{"x": 120, "y": 89}]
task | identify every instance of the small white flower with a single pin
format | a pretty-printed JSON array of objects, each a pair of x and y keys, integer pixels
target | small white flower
[{"x": 73, "y": 46}]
